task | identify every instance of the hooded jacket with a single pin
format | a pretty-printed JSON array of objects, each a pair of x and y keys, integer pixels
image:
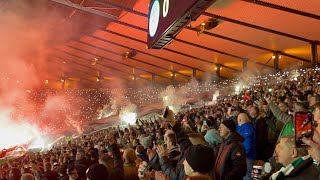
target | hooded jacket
[
  {"x": 248, "y": 131},
  {"x": 231, "y": 160}
]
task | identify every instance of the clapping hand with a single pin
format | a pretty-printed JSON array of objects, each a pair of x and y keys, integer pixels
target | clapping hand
[
  {"x": 144, "y": 175},
  {"x": 162, "y": 151}
]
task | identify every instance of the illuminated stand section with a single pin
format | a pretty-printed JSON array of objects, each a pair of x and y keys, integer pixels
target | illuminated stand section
[{"x": 168, "y": 17}]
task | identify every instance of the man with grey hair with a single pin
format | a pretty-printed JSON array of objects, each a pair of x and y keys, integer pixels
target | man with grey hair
[{"x": 296, "y": 161}]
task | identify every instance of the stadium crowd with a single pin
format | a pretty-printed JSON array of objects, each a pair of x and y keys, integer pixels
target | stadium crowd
[{"x": 249, "y": 135}]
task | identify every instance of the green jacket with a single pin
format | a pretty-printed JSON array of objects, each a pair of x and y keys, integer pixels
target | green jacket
[{"x": 283, "y": 117}]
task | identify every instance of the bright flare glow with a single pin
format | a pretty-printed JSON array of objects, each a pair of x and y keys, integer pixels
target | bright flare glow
[
  {"x": 215, "y": 96},
  {"x": 129, "y": 117},
  {"x": 237, "y": 88},
  {"x": 14, "y": 133},
  {"x": 128, "y": 114},
  {"x": 270, "y": 90}
]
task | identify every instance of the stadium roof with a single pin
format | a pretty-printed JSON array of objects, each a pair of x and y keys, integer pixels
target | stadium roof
[{"x": 106, "y": 40}]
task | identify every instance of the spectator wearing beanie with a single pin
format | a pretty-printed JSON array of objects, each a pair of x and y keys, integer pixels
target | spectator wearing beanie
[
  {"x": 199, "y": 161},
  {"x": 231, "y": 161},
  {"x": 97, "y": 172}
]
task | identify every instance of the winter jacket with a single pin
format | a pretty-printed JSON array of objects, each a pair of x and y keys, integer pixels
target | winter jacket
[
  {"x": 83, "y": 161},
  {"x": 306, "y": 170},
  {"x": 248, "y": 131},
  {"x": 173, "y": 154},
  {"x": 283, "y": 117},
  {"x": 49, "y": 175},
  {"x": 274, "y": 127},
  {"x": 261, "y": 137},
  {"x": 199, "y": 177},
  {"x": 231, "y": 160},
  {"x": 130, "y": 171},
  {"x": 117, "y": 172},
  {"x": 176, "y": 173}
]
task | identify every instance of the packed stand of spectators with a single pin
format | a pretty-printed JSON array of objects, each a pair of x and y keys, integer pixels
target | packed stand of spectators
[{"x": 245, "y": 136}]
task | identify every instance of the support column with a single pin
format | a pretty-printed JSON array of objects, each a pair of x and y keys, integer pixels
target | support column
[
  {"x": 173, "y": 78},
  {"x": 63, "y": 82},
  {"x": 314, "y": 54},
  {"x": 194, "y": 73},
  {"x": 276, "y": 63},
  {"x": 218, "y": 71},
  {"x": 153, "y": 78},
  {"x": 244, "y": 65}
]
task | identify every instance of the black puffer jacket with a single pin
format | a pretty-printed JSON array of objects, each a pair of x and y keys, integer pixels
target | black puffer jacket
[
  {"x": 176, "y": 173},
  {"x": 231, "y": 161}
]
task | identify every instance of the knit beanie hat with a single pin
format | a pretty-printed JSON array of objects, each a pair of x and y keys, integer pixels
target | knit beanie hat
[
  {"x": 97, "y": 172},
  {"x": 230, "y": 124},
  {"x": 200, "y": 158}
]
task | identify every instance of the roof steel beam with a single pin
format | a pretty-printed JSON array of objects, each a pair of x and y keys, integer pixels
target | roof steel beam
[
  {"x": 111, "y": 42},
  {"x": 77, "y": 63},
  {"x": 104, "y": 65},
  {"x": 282, "y": 8},
  {"x": 257, "y": 27},
  {"x": 173, "y": 51},
  {"x": 207, "y": 33},
  {"x": 134, "y": 59},
  {"x": 108, "y": 59},
  {"x": 85, "y": 9}
]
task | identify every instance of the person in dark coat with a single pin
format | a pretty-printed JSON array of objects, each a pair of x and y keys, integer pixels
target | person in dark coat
[
  {"x": 113, "y": 164},
  {"x": 97, "y": 172},
  {"x": 62, "y": 173},
  {"x": 48, "y": 173},
  {"x": 231, "y": 160},
  {"x": 81, "y": 158}
]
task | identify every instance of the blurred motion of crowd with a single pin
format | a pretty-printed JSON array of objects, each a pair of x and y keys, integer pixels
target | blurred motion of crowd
[{"x": 247, "y": 135}]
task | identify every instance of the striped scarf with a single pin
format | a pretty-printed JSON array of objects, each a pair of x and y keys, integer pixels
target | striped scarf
[{"x": 285, "y": 171}]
